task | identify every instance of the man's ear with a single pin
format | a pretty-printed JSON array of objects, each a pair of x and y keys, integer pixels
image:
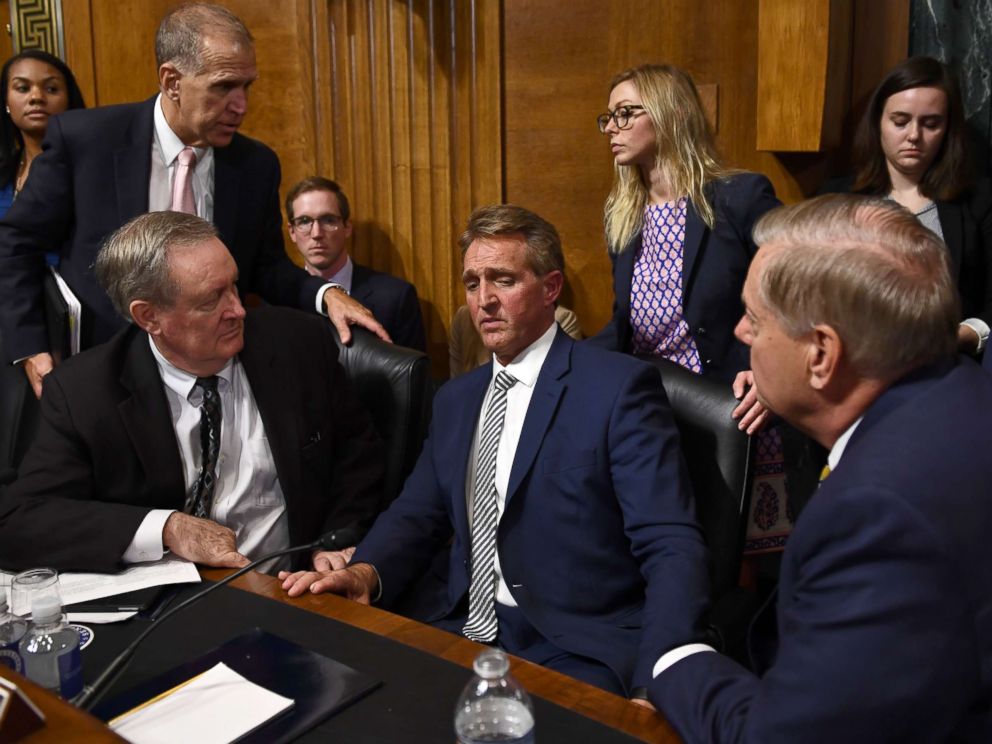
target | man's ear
[
  {"x": 825, "y": 353},
  {"x": 145, "y": 316},
  {"x": 168, "y": 80},
  {"x": 553, "y": 283}
]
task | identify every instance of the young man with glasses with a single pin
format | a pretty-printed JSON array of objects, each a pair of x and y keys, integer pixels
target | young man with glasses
[{"x": 320, "y": 226}]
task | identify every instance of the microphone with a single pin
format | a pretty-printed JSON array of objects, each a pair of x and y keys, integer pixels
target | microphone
[{"x": 334, "y": 540}]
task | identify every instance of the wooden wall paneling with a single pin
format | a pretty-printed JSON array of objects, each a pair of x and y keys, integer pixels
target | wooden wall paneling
[
  {"x": 6, "y": 40},
  {"x": 411, "y": 141},
  {"x": 803, "y": 73},
  {"x": 77, "y": 18}
]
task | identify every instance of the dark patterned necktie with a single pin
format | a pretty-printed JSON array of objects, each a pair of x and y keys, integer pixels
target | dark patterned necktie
[
  {"x": 201, "y": 497},
  {"x": 481, "y": 624}
]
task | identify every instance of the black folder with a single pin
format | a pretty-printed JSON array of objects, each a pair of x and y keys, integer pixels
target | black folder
[
  {"x": 318, "y": 685},
  {"x": 56, "y": 318}
]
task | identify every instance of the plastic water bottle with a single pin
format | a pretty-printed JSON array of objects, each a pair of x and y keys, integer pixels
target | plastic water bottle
[
  {"x": 12, "y": 630},
  {"x": 50, "y": 650},
  {"x": 493, "y": 706}
]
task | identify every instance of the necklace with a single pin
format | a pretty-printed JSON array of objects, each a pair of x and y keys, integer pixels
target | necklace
[{"x": 22, "y": 174}]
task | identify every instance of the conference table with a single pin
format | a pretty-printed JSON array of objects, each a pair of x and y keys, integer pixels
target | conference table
[{"x": 417, "y": 664}]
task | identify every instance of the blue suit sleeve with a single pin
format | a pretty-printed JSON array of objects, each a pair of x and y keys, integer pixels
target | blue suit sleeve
[{"x": 876, "y": 640}]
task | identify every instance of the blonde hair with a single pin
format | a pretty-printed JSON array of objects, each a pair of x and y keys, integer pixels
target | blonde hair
[
  {"x": 685, "y": 152},
  {"x": 867, "y": 268}
]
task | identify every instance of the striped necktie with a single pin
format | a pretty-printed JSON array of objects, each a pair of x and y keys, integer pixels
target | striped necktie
[{"x": 481, "y": 624}]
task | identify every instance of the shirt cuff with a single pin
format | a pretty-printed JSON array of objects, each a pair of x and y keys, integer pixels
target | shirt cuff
[
  {"x": 146, "y": 545},
  {"x": 980, "y": 327},
  {"x": 320, "y": 295},
  {"x": 676, "y": 655}
]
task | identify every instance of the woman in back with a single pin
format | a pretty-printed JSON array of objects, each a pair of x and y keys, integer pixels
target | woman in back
[
  {"x": 912, "y": 146},
  {"x": 34, "y": 86}
]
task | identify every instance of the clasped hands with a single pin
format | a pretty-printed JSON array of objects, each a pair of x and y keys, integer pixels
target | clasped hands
[{"x": 332, "y": 573}]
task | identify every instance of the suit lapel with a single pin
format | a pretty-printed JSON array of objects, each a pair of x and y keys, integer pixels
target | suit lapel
[
  {"x": 361, "y": 288},
  {"x": 227, "y": 183},
  {"x": 267, "y": 381},
  {"x": 543, "y": 404},
  {"x": 695, "y": 229},
  {"x": 464, "y": 430},
  {"x": 951, "y": 217},
  {"x": 147, "y": 418},
  {"x": 133, "y": 164}
]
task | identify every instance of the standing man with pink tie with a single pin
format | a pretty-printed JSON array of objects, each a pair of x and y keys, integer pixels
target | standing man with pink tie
[{"x": 179, "y": 150}]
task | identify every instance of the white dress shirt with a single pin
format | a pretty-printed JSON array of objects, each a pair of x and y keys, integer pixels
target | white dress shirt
[
  {"x": 525, "y": 368},
  {"x": 247, "y": 497},
  {"x": 670, "y": 658},
  {"x": 341, "y": 278},
  {"x": 166, "y": 147}
]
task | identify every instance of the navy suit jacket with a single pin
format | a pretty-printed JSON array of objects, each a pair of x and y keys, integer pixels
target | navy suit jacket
[
  {"x": 714, "y": 265},
  {"x": 598, "y": 541},
  {"x": 92, "y": 178},
  {"x": 106, "y": 452},
  {"x": 393, "y": 302},
  {"x": 884, "y": 604}
]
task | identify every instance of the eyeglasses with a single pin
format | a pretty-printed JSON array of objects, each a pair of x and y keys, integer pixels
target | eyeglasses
[
  {"x": 621, "y": 117},
  {"x": 329, "y": 222}
]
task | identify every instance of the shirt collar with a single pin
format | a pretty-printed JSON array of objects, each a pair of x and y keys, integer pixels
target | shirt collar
[
  {"x": 837, "y": 451},
  {"x": 342, "y": 277},
  {"x": 180, "y": 381},
  {"x": 168, "y": 142},
  {"x": 526, "y": 366}
]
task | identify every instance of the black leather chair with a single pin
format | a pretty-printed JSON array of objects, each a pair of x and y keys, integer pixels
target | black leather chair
[
  {"x": 395, "y": 386},
  {"x": 719, "y": 457}
]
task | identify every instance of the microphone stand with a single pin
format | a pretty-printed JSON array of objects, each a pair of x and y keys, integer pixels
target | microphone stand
[{"x": 91, "y": 696}]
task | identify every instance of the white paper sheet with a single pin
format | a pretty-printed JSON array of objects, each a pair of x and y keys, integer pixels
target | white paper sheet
[
  {"x": 75, "y": 311},
  {"x": 99, "y": 618},
  {"x": 217, "y": 706},
  {"x": 84, "y": 587}
]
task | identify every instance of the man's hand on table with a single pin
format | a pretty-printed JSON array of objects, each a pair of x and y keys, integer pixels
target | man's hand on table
[
  {"x": 202, "y": 541},
  {"x": 331, "y": 560},
  {"x": 357, "y": 582}
]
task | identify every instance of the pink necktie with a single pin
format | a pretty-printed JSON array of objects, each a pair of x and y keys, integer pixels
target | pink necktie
[{"x": 182, "y": 184}]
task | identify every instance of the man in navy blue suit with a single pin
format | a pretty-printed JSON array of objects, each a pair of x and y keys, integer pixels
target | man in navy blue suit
[
  {"x": 551, "y": 486},
  {"x": 884, "y": 613},
  {"x": 101, "y": 167},
  {"x": 320, "y": 225}
]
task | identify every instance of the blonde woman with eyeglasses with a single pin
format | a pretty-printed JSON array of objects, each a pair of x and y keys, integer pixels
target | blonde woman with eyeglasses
[{"x": 678, "y": 228}]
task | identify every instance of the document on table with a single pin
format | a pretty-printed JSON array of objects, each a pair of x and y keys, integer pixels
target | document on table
[
  {"x": 217, "y": 706},
  {"x": 84, "y": 587}
]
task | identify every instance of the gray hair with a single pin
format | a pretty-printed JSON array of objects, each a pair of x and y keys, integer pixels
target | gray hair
[
  {"x": 543, "y": 244},
  {"x": 181, "y": 33},
  {"x": 133, "y": 263},
  {"x": 867, "y": 268}
]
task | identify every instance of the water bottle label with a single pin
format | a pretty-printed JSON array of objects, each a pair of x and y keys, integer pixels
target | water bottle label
[
  {"x": 70, "y": 673},
  {"x": 11, "y": 658}
]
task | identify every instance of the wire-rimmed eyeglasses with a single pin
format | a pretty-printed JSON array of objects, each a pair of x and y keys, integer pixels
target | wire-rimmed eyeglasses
[
  {"x": 622, "y": 117},
  {"x": 329, "y": 222}
]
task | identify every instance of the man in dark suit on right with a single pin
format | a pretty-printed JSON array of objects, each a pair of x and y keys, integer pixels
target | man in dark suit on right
[
  {"x": 319, "y": 218},
  {"x": 884, "y": 616}
]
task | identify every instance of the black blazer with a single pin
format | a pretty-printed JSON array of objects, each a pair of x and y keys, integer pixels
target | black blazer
[
  {"x": 393, "y": 302},
  {"x": 92, "y": 178},
  {"x": 714, "y": 266},
  {"x": 967, "y": 226},
  {"x": 106, "y": 450}
]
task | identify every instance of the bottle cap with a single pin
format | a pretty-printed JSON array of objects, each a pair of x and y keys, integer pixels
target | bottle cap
[
  {"x": 46, "y": 609},
  {"x": 491, "y": 664}
]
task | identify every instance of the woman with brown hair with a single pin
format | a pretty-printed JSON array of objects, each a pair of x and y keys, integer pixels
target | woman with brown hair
[{"x": 912, "y": 147}]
